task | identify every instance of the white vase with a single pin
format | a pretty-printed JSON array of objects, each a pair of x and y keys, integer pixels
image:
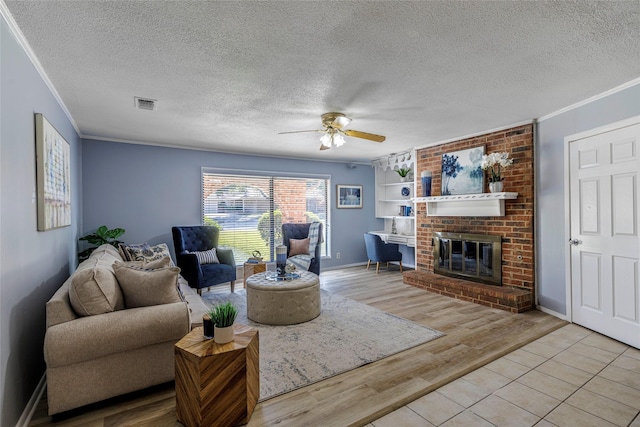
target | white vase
[
  {"x": 223, "y": 335},
  {"x": 495, "y": 187}
]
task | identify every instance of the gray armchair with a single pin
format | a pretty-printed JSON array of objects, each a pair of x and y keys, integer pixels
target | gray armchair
[{"x": 301, "y": 231}]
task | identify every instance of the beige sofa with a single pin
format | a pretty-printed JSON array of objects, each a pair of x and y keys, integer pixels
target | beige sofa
[{"x": 95, "y": 356}]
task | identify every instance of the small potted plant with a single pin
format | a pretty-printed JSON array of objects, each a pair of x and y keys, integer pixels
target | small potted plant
[
  {"x": 224, "y": 315},
  {"x": 403, "y": 172}
]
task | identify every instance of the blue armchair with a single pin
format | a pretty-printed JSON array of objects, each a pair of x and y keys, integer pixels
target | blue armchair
[
  {"x": 379, "y": 251},
  {"x": 301, "y": 231},
  {"x": 200, "y": 238}
]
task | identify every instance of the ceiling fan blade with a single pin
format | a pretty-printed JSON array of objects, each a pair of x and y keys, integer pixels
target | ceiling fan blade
[
  {"x": 365, "y": 135},
  {"x": 323, "y": 147},
  {"x": 301, "y": 131}
]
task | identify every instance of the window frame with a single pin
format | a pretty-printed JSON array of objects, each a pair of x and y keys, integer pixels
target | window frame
[{"x": 250, "y": 173}]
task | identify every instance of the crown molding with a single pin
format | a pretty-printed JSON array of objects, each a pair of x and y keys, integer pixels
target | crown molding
[
  {"x": 479, "y": 133},
  {"x": 616, "y": 89}
]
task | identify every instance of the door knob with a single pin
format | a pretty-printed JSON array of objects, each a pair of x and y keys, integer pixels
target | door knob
[{"x": 574, "y": 242}]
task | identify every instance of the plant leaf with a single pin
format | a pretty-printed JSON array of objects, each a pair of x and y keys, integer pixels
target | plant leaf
[
  {"x": 94, "y": 240},
  {"x": 115, "y": 233},
  {"x": 101, "y": 231}
]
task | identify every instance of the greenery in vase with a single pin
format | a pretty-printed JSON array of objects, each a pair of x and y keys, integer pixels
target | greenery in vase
[
  {"x": 494, "y": 163},
  {"x": 102, "y": 236},
  {"x": 403, "y": 172},
  {"x": 223, "y": 315}
]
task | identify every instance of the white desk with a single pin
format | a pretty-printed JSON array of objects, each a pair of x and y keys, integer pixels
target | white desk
[{"x": 401, "y": 239}]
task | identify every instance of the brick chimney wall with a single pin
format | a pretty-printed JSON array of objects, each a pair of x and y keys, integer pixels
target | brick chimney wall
[{"x": 516, "y": 227}]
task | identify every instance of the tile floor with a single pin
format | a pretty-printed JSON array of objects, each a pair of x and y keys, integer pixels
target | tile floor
[{"x": 571, "y": 377}]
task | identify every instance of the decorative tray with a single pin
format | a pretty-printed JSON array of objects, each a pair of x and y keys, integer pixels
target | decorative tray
[{"x": 288, "y": 276}]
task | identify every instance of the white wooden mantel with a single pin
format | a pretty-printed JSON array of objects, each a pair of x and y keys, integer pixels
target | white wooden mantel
[{"x": 483, "y": 204}]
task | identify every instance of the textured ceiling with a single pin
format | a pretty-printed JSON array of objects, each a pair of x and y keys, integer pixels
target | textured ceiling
[{"x": 230, "y": 75}]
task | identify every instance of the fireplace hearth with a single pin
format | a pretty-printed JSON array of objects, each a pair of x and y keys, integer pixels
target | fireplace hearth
[{"x": 475, "y": 257}]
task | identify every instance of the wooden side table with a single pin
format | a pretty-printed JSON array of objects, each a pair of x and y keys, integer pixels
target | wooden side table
[
  {"x": 251, "y": 268},
  {"x": 217, "y": 384}
]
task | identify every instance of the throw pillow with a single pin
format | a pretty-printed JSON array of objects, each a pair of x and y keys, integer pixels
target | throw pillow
[
  {"x": 123, "y": 249},
  {"x": 143, "y": 287},
  {"x": 298, "y": 247},
  {"x": 206, "y": 257},
  {"x": 94, "y": 288},
  {"x": 143, "y": 252},
  {"x": 165, "y": 261}
]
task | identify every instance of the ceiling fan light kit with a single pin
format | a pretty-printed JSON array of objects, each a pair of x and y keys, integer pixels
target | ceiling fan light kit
[
  {"x": 331, "y": 137},
  {"x": 333, "y": 124}
]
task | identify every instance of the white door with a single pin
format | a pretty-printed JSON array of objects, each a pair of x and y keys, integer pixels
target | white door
[{"x": 605, "y": 246}]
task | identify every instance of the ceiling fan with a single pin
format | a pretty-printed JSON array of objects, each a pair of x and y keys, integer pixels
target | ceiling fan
[{"x": 334, "y": 124}]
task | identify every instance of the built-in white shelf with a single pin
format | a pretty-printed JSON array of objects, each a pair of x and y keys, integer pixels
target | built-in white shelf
[
  {"x": 399, "y": 184},
  {"x": 482, "y": 204}
]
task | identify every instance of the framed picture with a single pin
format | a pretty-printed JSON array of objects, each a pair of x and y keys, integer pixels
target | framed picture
[
  {"x": 53, "y": 179},
  {"x": 349, "y": 196},
  {"x": 462, "y": 172}
]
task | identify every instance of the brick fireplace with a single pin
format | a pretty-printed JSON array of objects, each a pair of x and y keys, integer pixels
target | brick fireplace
[{"x": 515, "y": 228}]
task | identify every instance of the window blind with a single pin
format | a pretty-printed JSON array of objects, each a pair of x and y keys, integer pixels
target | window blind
[{"x": 250, "y": 208}]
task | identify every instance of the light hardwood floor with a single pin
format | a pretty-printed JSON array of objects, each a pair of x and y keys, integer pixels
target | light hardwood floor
[{"x": 475, "y": 336}]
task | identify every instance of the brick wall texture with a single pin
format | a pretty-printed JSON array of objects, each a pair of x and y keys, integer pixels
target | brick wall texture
[{"x": 515, "y": 228}]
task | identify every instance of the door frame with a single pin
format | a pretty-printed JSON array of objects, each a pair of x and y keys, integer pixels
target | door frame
[{"x": 567, "y": 199}]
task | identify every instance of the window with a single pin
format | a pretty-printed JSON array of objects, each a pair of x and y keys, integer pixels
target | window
[{"x": 250, "y": 208}]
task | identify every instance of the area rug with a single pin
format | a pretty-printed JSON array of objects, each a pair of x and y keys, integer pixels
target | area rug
[{"x": 345, "y": 336}]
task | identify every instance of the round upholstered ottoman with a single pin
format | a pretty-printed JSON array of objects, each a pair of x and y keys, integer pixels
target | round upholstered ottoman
[{"x": 284, "y": 302}]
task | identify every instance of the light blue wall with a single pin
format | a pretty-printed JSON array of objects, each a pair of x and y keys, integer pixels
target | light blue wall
[
  {"x": 550, "y": 195},
  {"x": 146, "y": 190},
  {"x": 33, "y": 264}
]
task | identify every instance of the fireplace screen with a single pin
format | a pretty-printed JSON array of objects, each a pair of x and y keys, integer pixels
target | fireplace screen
[{"x": 475, "y": 257}]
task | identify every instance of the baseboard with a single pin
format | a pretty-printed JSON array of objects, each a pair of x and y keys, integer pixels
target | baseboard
[
  {"x": 551, "y": 312},
  {"x": 338, "y": 267},
  {"x": 32, "y": 404},
  {"x": 358, "y": 264}
]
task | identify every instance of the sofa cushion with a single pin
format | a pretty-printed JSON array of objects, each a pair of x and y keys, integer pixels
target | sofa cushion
[
  {"x": 298, "y": 247},
  {"x": 144, "y": 287},
  {"x": 94, "y": 288},
  {"x": 111, "y": 250},
  {"x": 143, "y": 252},
  {"x": 206, "y": 257}
]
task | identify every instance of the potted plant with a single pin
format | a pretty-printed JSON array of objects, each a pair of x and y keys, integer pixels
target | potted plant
[
  {"x": 403, "y": 172},
  {"x": 100, "y": 237},
  {"x": 224, "y": 315},
  {"x": 494, "y": 163}
]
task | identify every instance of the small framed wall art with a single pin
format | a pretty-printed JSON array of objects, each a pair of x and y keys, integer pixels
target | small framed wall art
[
  {"x": 53, "y": 176},
  {"x": 348, "y": 196}
]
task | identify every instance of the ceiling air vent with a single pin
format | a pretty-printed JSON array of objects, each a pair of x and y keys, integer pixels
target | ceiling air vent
[{"x": 145, "y": 103}]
